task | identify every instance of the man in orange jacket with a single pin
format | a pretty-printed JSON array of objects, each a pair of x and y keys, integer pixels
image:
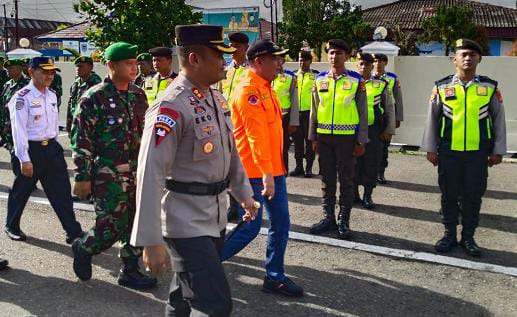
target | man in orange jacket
[{"x": 257, "y": 117}]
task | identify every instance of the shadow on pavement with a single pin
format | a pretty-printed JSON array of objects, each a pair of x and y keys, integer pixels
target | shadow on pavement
[{"x": 341, "y": 292}]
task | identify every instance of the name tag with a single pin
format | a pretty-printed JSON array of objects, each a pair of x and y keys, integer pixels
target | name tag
[
  {"x": 482, "y": 91},
  {"x": 324, "y": 86},
  {"x": 450, "y": 93},
  {"x": 347, "y": 85}
]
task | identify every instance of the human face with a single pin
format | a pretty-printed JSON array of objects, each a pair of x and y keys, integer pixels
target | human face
[
  {"x": 240, "y": 53},
  {"x": 337, "y": 57},
  {"x": 379, "y": 66},
  {"x": 305, "y": 64},
  {"x": 210, "y": 64},
  {"x": 125, "y": 70},
  {"x": 268, "y": 66},
  {"x": 41, "y": 78},
  {"x": 162, "y": 64},
  {"x": 364, "y": 68},
  {"x": 144, "y": 67},
  {"x": 466, "y": 60},
  {"x": 83, "y": 70},
  {"x": 14, "y": 71}
]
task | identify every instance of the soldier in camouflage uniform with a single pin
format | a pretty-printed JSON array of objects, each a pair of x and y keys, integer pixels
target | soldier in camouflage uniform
[
  {"x": 145, "y": 65},
  {"x": 3, "y": 73},
  {"x": 57, "y": 87},
  {"x": 17, "y": 82},
  {"x": 105, "y": 139},
  {"x": 86, "y": 78}
]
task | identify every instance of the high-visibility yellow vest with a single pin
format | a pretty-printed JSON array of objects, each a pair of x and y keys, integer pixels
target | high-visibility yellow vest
[
  {"x": 154, "y": 86},
  {"x": 465, "y": 117},
  {"x": 282, "y": 88},
  {"x": 374, "y": 89},
  {"x": 305, "y": 84},
  {"x": 234, "y": 76},
  {"x": 337, "y": 109}
]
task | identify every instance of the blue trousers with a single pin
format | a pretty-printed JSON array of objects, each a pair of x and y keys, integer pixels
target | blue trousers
[
  {"x": 50, "y": 169},
  {"x": 278, "y": 212}
]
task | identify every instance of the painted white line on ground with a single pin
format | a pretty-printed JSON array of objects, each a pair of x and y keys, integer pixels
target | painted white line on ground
[{"x": 398, "y": 253}]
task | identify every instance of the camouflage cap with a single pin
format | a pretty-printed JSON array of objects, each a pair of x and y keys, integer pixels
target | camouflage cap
[{"x": 120, "y": 51}]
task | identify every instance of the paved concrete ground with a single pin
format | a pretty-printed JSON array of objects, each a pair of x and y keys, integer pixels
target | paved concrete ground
[{"x": 338, "y": 282}]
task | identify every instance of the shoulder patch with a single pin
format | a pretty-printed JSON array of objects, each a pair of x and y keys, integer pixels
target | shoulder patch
[
  {"x": 253, "y": 100},
  {"x": 288, "y": 72},
  {"x": 322, "y": 74},
  {"x": 165, "y": 121},
  {"x": 392, "y": 75},
  {"x": 434, "y": 93},
  {"x": 498, "y": 95},
  {"x": 23, "y": 92}
]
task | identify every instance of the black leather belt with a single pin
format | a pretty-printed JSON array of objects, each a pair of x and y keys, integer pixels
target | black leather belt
[
  {"x": 42, "y": 143},
  {"x": 197, "y": 189}
]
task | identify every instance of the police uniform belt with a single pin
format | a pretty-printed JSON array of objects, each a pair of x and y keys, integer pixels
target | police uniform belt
[
  {"x": 198, "y": 189},
  {"x": 42, "y": 143}
]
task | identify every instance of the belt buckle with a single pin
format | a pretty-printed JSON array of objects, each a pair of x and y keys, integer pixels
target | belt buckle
[{"x": 44, "y": 143}]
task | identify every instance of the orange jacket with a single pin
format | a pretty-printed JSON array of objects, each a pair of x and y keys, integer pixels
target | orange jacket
[{"x": 257, "y": 118}]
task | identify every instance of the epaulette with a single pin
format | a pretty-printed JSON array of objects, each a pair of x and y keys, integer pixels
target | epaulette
[
  {"x": 354, "y": 74},
  {"x": 315, "y": 71},
  {"x": 288, "y": 72},
  {"x": 392, "y": 75},
  {"x": 444, "y": 80},
  {"x": 51, "y": 90},
  {"x": 23, "y": 92},
  {"x": 487, "y": 79},
  {"x": 322, "y": 74}
]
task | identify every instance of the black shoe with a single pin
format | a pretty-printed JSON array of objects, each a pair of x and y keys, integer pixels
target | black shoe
[
  {"x": 130, "y": 276},
  {"x": 368, "y": 202},
  {"x": 298, "y": 171},
  {"x": 308, "y": 174},
  {"x": 285, "y": 287},
  {"x": 70, "y": 239},
  {"x": 381, "y": 179},
  {"x": 3, "y": 264},
  {"x": 470, "y": 247},
  {"x": 446, "y": 243},
  {"x": 16, "y": 235},
  {"x": 343, "y": 227},
  {"x": 325, "y": 225},
  {"x": 82, "y": 262}
]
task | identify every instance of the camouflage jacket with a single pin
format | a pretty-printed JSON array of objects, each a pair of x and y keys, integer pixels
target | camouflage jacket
[
  {"x": 4, "y": 77},
  {"x": 76, "y": 91},
  {"x": 57, "y": 87},
  {"x": 106, "y": 131},
  {"x": 9, "y": 89}
]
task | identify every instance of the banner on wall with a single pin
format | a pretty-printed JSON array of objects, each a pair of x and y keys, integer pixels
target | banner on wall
[{"x": 242, "y": 19}]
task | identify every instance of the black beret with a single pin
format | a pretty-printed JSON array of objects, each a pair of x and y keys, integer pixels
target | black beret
[
  {"x": 202, "y": 34},
  {"x": 305, "y": 55},
  {"x": 467, "y": 44},
  {"x": 337, "y": 43},
  {"x": 264, "y": 47},
  {"x": 239, "y": 37},
  {"x": 161, "y": 51},
  {"x": 367, "y": 57},
  {"x": 381, "y": 57}
]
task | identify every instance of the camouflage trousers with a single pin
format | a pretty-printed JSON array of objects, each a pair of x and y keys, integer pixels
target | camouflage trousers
[{"x": 115, "y": 206}]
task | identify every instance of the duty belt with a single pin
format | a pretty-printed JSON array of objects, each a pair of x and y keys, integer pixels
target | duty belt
[
  {"x": 42, "y": 143},
  {"x": 197, "y": 189}
]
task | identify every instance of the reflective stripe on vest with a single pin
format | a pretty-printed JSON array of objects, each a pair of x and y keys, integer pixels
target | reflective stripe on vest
[
  {"x": 282, "y": 87},
  {"x": 158, "y": 86},
  {"x": 233, "y": 77},
  {"x": 305, "y": 84},
  {"x": 466, "y": 108},
  {"x": 374, "y": 89},
  {"x": 391, "y": 81},
  {"x": 337, "y": 108}
]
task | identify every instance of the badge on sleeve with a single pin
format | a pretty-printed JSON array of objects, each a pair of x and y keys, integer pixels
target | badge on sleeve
[
  {"x": 253, "y": 100},
  {"x": 398, "y": 83},
  {"x": 20, "y": 103},
  {"x": 433, "y": 94},
  {"x": 165, "y": 121},
  {"x": 498, "y": 95},
  {"x": 482, "y": 91}
]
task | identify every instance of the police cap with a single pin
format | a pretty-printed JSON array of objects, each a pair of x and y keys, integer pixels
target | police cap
[
  {"x": 337, "y": 43},
  {"x": 305, "y": 55},
  {"x": 14, "y": 62},
  {"x": 467, "y": 44},
  {"x": 238, "y": 37},
  {"x": 45, "y": 63},
  {"x": 202, "y": 34},
  {"x": 83, "y": 59},
  {"x": 381, "y": 57},
  {"x": 264, "y": 47},
  {"x": 144, "y": 57},
  {"x": 367, "y": 57},
  {"x": 120, "y": 51},
  {"x": 161, "y": 51}
]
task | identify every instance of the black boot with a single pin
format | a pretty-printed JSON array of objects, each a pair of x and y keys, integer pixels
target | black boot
[
  {"x": 343, "y": 228},
  {"x": 367, "y": 198},
  {"x": 357, "y": 197},
  {"x": 130, "y": 275},
  {"x": 328, "y": 223},
  {"x": 298, "y": 171},
  {"x": 82, "y": 261},
  {"x": 308, "y": 170},
  {"x": 381, "y": 179},
  {"x": 448, "y": 241},
  {"x": 467, "y": 242}
]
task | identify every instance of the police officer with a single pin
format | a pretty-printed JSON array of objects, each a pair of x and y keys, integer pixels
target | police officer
[
  {"x": 305, "y": 77},
  {"x": 108, "y": 126},
  {"x": 465, "y": 134},
  {"x": 162, "y": 62},
  {"x": 338, "y": 130},
  {"x": 84, "y": 80},
  {"x": 34, "y": 119},
  {"x": 381, "y": 126},
  {"x": 188, "y": 149},
  {"x": 145, "y": 66},
  {"x": 379, "y": 70},
  {"x": 17, "y": 82},
  {"x": 236, "y": 68},
  {"x": 285, "y": 88}
]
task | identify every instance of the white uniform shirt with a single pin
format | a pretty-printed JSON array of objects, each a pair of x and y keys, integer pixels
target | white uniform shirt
[{"x": 34, "y": 117}]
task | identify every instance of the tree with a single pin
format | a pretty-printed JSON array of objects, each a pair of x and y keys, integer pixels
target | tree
[
  {"x": 316, "y": 22},
  {"x": 405, "y": 40},
  {"x": 147, "y": 23},
  {"x": 451, "y": 23}
]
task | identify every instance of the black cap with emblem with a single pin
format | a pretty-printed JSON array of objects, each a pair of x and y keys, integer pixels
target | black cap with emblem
[
  {"x": 337, "y": 43},
  {"x": 467, "y": 44},
  {"x": 238, "y": 37},
  {"x": 161, "y": 51},
  {"x": 202, "y": 34},
  {"x": 366, "y": 57},
  {"x": 45, "y": 63},
  {"x": 264, "y": 47}
]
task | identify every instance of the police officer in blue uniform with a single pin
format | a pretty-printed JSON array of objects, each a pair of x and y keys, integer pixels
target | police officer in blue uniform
[{"x": 34, "y": 118}]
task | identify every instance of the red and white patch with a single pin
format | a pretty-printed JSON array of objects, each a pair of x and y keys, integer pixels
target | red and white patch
[
  {"x": 450, "y": 92},
  {"x": 165, "y": 121},
  {"x": 253, "y": 100},
  {"x": 498, "y": 95},
  {"x": 324, "y": 85}
]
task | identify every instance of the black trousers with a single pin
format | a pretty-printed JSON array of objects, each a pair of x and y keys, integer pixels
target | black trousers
[
  {"x": 384, "y": 156},
  {"x": 199, "y": 286},
  {"x": 368, "y": 164},
  {"x": 336, "y": 160},
  {"x": 302, "y": 144},
  {"x": 50, "y": 169},
  {"x": 462, "y": 174},
  {"x": 287, "y": 140}
]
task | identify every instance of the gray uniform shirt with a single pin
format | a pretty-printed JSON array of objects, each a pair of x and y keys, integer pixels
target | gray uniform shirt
[
  {"x": 362, "y": 108},
  {"x": 389, "y": 109},
  {"x": 431, "y": 137},
  {"x": 397, "y": 97},
  {"x": 188, "y": 138}
]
